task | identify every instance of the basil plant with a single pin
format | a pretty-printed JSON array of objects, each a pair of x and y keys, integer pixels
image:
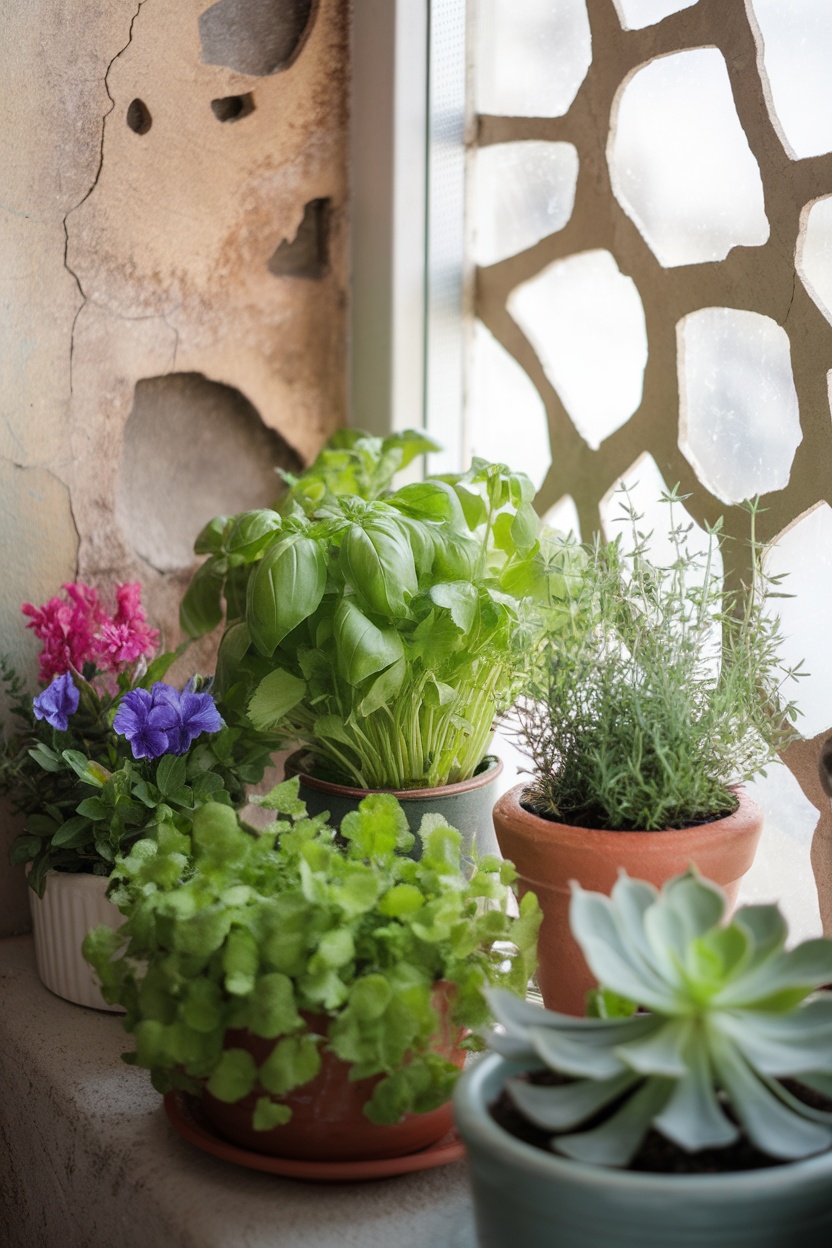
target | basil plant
[
  {"x": 727, "y": 1030},
  {"x": 383, "y": 634}
]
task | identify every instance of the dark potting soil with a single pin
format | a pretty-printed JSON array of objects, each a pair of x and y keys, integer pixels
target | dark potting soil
[
  {"x": 657, "y": 1154},
  {"x": 594, "y": 818}
]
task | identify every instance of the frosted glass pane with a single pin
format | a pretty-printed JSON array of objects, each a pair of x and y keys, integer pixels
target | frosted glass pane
[
  {"x": 506, "y": 414},
  {"x": 585, "y": 320},
  {"x": 814, "y": 254},
  {"x": 635, "y": 14},
  {"x": 797, "y": 50},
  {"x": 680, "y": 163},
  {"x": 522, "y": 192},
  {"x": 530, "y": 57},
  {"x": 804, "y": 551},
  {"x": 782, "y": 870},
  {"x": 645, "y": 485},
  {"x": 740, "y": 424},
  {"x": 563, "y": 516}
]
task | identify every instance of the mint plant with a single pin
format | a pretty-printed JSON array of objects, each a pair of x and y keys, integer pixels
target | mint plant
[
  {"x": 728, "y": 1025},
  {"x": 383, "y": 635},
  {"x": 228, "y": 930},
  {"x": 654, "y": 690}
]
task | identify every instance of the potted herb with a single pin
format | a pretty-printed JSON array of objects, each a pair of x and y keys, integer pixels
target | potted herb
[
  {"x": 653, "y": 695},
  {"x": 93, "y": 762},
  {"x": 705, "y": 1121},
  {"x": 383, "y": 636},
  {"x": 286, "y": 980}
]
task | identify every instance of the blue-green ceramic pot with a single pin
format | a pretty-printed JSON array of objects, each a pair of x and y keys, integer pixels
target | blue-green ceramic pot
[
  {"x": 467, "y": 805},
  {"x": 528, "y": 1198}
]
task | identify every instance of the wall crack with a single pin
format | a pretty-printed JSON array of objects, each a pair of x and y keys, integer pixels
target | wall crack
[{"x": 91, "y": 188}]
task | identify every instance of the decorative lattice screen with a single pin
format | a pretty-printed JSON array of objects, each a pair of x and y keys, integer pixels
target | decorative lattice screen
[{"x": 652, "y": 219}]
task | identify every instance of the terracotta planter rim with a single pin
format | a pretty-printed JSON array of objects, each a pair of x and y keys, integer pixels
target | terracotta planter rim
[
  {"x": 510, "y": 806},
  {"x": 491, "y": 772}
]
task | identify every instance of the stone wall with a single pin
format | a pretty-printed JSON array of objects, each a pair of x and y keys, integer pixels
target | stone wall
[{"x": 172, "y": 285}]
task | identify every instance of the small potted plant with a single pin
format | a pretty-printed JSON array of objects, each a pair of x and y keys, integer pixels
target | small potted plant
[
  {"x": 706, "y": 1120},
  {"x": 653, "y": 694},
  {"x": 97, "y": 757},
  {"x": 382, "y": 636},
  {"x": 311, "y": 994}
]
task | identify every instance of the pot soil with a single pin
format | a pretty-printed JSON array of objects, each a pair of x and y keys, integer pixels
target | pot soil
[
  {"x": 466, "y": 805},
  {"x": 530, "y": 1196},
  {"x": 548, "y": 855}
]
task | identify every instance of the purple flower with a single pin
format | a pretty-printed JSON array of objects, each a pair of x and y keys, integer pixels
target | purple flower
[
  {"x": 58, "y": 702},
  {"x": 146, "y": 721},
  {"x": 165, "y": 721},
  {"x": 197, "y": 714}
]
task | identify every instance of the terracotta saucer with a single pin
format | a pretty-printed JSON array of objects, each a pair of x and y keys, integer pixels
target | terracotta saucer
[{"x": 183, "y": 1114}]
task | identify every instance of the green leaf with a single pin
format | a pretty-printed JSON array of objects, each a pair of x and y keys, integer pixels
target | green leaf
[
  {"x": 73, "y": 833},
  {"x": 209, "y": 541},
  {"x": 233, "y": 649},
  {"x": 378, "y": 562},
  {"x": 268, "y": 1115},
  {"x": 461, "y": 599},
  {"x": 362, "y": 648},
  {"x": 276, "y": 695},
  {"x": 250, "y": 531},
  {"x": 201, "y": 608},
  {"x": 45, "y": 758},
  {"x": 384, "y": 689},
  {"x": 240, "y": 962},
  {"x": 293, "y": 1061},
  {"x": 170, "y": 774},
  {"x": 93, "y": 808},
  {"x": 272, "y": 1010},
  {"x": 286, "y": 588},
  {"x": 233, "y": 1077},
  {"x": 87, "y": 770},
  {"x": 24, "y": 848},
  {"x": 431, "y": 500},
  {"x": 525, "y": 528}
]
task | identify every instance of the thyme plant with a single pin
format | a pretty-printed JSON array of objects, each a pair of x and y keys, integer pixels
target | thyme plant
[{"x": 654, "y": 690}]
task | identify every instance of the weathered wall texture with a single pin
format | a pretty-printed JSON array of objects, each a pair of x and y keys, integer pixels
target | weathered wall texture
[{"x": 172, "y": 284}]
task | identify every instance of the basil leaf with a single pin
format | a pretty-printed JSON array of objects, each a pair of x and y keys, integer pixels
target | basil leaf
[
  {"x": 286, "y": 588},
  {"x": 362, "y": 648}
]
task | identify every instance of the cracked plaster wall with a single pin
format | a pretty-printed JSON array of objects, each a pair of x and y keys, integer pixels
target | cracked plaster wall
[{"x": 128, "y": 255}]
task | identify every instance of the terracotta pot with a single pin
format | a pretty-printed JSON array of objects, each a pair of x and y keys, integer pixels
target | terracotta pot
[
  {"x": 548, "y": 855},
  {"x": 328, "y": 1122},
  {"x": 466, "y": 805},
  {"x": 71, "y": 905}
]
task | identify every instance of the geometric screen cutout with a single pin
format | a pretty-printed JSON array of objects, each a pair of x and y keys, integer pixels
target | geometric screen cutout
[
  {"x": 508, "y": 418},
  {"x": 796, "y": 55},
  {"x": 680, "y": 163},
  {"x": 585, "y": 320},
  {"x": 523, "y": 191},
  {"x": 636, "y": 14},
  {"x": 531, "y": 56},
  {"x": 804, "y": 552},
  {"x": 739, "y": 418},
  {"x": 814, "y": 253}
]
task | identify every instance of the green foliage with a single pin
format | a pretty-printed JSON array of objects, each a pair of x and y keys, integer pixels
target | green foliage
[
  {"x": 727, "y": 1024},
  {"x": 654, "y": 690},
  {"x": 383, "y": 634},
  {"x": 229, "y": 930},
  {"x": 86, "y": 799}
]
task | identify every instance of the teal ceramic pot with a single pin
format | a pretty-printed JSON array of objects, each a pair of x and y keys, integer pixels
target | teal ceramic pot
[
  {"x": 466, "y": 805},
  {"x": 528, "y": 1198}
]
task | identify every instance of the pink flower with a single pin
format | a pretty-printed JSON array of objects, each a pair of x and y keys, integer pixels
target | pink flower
[{"x": 80, "y": 631}]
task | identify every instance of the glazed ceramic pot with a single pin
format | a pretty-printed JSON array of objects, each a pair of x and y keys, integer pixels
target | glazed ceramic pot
[
  {"x": 466, "y": 805},
  {"x": 549, "y": 855},
  {"x": 71, "y": 905},
  {"x": 530, "y": 1197},
  {"x": 328, "y": 1122}
]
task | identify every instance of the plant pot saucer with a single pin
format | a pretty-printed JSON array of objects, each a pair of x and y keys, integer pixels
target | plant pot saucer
[{"x": 184, "y": 1115}]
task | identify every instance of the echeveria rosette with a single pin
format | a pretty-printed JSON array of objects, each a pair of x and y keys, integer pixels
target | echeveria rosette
[
  {"x": 727, "y": 1022},
  {"x": 163, "y": 721},
  {"x": 58, "y": 702}
]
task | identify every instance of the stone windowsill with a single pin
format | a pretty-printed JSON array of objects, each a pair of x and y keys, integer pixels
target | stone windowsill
[{"x": 88, "y": 1159}]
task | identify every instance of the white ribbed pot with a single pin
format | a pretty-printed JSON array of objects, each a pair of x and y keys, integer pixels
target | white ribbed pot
[{"x": 71, "y": 905}]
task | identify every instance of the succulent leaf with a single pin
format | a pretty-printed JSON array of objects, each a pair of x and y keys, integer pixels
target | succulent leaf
[{"x": 727, "y": 1022}]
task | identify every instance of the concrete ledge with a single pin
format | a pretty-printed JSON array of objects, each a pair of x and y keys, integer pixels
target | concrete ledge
[{"x": 88, "y": 1159}]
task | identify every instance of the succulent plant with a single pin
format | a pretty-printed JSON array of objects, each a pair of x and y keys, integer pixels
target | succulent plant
[{"x": 726, "y": 1022}]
